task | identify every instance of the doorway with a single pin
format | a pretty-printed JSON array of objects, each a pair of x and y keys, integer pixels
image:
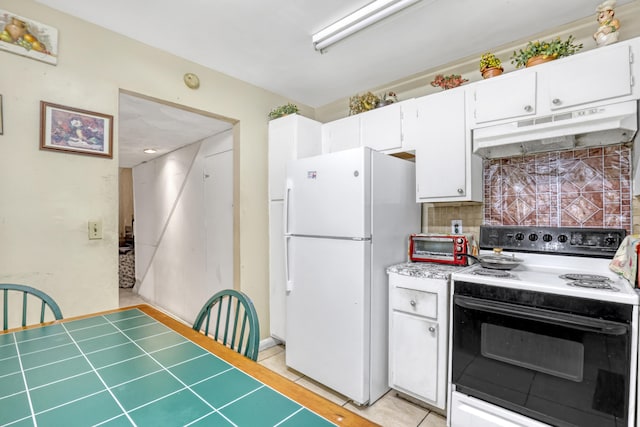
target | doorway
[{"x": 183, "y": 228}]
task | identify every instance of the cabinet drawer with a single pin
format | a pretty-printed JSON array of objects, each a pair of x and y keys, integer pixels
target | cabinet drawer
[{"x": 415, "y": 302}]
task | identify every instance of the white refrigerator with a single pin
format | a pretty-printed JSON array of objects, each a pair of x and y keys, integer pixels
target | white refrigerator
[{"x": 348, "y": 216}]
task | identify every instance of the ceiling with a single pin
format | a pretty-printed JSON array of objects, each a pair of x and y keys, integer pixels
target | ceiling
[
  {"x": 144, "y": 123},
  {"x": 268, "y": 43}
]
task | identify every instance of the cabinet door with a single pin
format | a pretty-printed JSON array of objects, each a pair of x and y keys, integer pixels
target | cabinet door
[
  {"x": 505, "y": 97},
  {"x": 381, "y": 129},
  {"x": 590, "y": 77},
  {"x": 290, "y": 137},
  {"x": 441, "y": 164},
  {"x": 413, "y": 360},
  {"x": 341, "y": 134}
]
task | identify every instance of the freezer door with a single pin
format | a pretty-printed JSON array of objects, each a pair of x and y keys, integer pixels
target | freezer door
[
  {"x": 328, "y": 312},
  {"x": 328, "y": 195}
]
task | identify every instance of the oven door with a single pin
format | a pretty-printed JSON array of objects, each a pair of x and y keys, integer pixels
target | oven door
[{"x": 558, "y": 368}]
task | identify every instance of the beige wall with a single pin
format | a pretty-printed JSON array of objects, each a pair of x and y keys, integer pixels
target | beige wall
[{"x": 48, "y": 197}]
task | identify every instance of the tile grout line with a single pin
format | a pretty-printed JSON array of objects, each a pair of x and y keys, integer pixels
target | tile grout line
[
  {"x": 24, "y": 379},
  {"x": 98, "y": 374}
]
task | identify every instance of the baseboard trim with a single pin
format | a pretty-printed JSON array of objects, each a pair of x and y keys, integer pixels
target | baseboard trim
[{"x": 268, "y": 343}]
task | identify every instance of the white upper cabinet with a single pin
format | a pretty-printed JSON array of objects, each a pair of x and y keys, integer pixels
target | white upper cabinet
[
  {"x": 446, "y": 171},
  {"x": 505, "y": 97},
  {"x": 381, "y": 129},
  {"x": 582, "y": 80},
  {"x": 290, "y": 137},
  {"x": 341, "y": 134},
  {"x": 589, "y": 77}
]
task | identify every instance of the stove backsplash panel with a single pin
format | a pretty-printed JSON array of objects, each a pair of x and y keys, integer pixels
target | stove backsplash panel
[{"x": 578, "y": 188}]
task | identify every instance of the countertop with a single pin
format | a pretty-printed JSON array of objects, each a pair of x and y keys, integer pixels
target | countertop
[{"x": 428, "y": 270}]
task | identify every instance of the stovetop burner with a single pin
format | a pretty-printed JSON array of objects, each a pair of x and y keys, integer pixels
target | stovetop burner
[
  {"x": 593, "y": 285},
  {"x": 492, "y": 272},
  {"x": 591, "y": 281},
  {"x": 585, "y": 277}
]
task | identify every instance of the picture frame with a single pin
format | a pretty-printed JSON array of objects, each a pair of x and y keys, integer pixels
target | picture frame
[
  {"x": 75, "y": 131},
  {"x": 26, "y": 37}
]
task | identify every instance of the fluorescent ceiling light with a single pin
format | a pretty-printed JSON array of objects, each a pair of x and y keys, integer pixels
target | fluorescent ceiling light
[{"x": 361, "y": 18}]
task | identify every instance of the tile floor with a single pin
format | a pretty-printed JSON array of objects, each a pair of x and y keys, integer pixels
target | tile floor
[{"x": 388, "y": 411}]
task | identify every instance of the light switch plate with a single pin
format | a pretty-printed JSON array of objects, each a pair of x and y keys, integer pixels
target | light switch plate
[
  {"x": 95, "y": 230},
  {"x": 456, "y": 226}
]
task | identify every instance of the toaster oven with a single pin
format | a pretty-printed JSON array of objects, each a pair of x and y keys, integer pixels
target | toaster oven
[{"x": 439, "y": 248}]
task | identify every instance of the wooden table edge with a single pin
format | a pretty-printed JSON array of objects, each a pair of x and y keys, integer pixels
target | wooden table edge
[{"x": 312, "y": 401}]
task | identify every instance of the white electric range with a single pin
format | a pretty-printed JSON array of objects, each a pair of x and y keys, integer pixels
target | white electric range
[{"x": 552, "y": 342}]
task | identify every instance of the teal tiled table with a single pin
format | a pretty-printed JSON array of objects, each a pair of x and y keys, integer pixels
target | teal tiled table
[{"x": 139, "y": 367}]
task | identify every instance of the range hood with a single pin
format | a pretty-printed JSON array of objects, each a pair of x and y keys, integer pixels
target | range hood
[{"x": 596, "y": 126}]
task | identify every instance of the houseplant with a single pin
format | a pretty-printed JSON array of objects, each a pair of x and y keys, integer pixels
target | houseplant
[
  {"x": 283, "y": 110},
  {"x": 490, "y": 65},
  {"x": 448, "y": 82},
  {"x": 361, "y": 103},
  {"x": 537, "y": 52}
]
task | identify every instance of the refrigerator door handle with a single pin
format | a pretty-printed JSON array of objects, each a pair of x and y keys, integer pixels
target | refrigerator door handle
[
  {"x": 287, "y": 275},
  {"x": 285, "y": 217}
]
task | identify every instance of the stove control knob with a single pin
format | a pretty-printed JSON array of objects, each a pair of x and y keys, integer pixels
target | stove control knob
[
  {"x": 519, "y": 236},
  {"x": 547, "y": 237},
  {"x": 563, "y": 238},
  {"x": 533, "y": 237}
]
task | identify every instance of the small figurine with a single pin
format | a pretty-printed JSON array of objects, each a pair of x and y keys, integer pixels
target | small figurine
[{"x": 609, "y": 26}]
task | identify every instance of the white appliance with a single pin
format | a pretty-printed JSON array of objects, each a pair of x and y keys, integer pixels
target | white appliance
[
  {"x": 348, "y": 216},
  {"x": 605, "y": 124},
  {"x": 551, "y": 342},
  {"x": 290, "y": 137}
]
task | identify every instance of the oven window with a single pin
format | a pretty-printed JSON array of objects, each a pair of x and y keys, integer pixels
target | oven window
[
  {"x": 550, "y": 355},
  {"x": 564, "y": 371}
]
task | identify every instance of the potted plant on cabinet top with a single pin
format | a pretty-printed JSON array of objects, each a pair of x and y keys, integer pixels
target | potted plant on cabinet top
[
  {"x": 448, "y": 82},
  {"x": 490, "y": 65},
  {"x": 283, "y": 110},
  {"x": 538, "y": 52},
  {"x": 361, "y": 103}
]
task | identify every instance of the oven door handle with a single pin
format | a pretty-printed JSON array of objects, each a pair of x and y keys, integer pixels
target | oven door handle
[{"x": 568, "y": 320}]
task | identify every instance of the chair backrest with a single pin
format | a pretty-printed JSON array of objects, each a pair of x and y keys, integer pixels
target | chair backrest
[
  {"x": 230, "y": 318},
  {"x": 26, "y": 291}
]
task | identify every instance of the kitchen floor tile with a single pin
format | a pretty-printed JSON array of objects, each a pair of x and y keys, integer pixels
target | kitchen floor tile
[
  {"x": 434, "y": 420},
  {"x": 391, "y": 411}
]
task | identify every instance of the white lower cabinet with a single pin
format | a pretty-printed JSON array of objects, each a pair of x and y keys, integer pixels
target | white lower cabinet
[{"x": 418, "y": 337}]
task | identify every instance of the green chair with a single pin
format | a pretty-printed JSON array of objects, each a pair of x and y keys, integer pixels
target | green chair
[
  {"x": 42, "y": 298},
  {"x": 230, "y": 318}
]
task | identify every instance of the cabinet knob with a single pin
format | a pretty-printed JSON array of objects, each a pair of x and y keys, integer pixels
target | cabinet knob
[
  {"x": 460, "y": 191},
  {"x": 528, "y": 108},
  {"x": 432, "y": 329},
  {"x": 556, "y": 101},
  {"x": 413, "y": 303}
]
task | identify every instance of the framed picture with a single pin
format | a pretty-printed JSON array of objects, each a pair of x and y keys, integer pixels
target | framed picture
[
  {"x": 75, "y": 131},
  {"x": 27, "y": 37}
]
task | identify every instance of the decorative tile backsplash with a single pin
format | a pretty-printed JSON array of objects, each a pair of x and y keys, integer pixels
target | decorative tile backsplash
[{"x": 579, "y": 188}]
